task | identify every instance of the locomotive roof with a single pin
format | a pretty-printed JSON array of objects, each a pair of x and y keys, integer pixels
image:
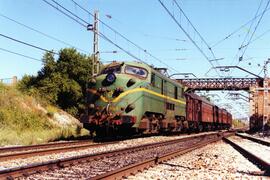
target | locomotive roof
[
  {"x": 165, "y": 77},
  {"x": 134, "y": 63},
  {"x": 195, "y": 96},
  {"x": 146, "y": 66}
]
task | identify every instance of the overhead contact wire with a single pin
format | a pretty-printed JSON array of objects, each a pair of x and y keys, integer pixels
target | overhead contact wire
[
  {"x": 179, "y": 25},
  {"x": 115, "y": 31},
  {"x": 74, "y": 19},
  {"x": 251, "y": 25},
  {"x": 84, "y": 25},
  {"x": 19, "y": 54},
  {"x": 195, "y": 29},
  {"x": 27, "y": 44},
  {"x": 238, "y": 29},
  {"x": 246, "y": 46},
  {"x": 42, "y": 33}
]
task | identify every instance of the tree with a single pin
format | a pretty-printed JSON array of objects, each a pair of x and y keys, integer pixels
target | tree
[{"x": 62, "y": 81}]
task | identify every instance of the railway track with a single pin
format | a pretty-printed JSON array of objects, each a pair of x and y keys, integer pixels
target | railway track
[
  {"x": 17, "y": 152},
  {"x": 42, "y": 146},
  {"x": 257, "y": 140},
  {"x": 261, "y": 163},
  {"x": 116, "y": 163}
]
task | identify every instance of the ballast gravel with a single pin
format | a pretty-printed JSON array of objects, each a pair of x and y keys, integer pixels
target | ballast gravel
[
  {"x": 93, "y": 168},
  {"x": 214, "y": 161},
  {"x": 257, "y": 149},
  {"x": 258, "y": 136},
  {"x": 110, "y": 147}
]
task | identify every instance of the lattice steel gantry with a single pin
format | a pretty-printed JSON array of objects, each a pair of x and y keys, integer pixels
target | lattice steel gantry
[{"x": 221, "y": 83}]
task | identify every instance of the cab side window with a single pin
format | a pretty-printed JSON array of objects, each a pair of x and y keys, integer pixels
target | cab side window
[
  {"x": 175, "y": 92},
  {"x": 153, "y": 77},
  {"x": 163, "y": 87},
  {"x": 182, "y": 92}
]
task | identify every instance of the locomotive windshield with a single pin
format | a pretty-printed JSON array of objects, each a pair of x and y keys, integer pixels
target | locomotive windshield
[
  {"x": 111, "y": 69},
  {"x": 138, "y": 71}
]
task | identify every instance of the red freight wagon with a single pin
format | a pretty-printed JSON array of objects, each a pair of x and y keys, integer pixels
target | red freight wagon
[
  {"x": 199, "y": 111},
  {"x": 229, "y": 122},
  {"x": 215, "y": 116},
  {"x": 192, "y": 108},
  {"x": 207, "y": 112},
  {"x": 224, "y": 116},
  {"x": 219, "y": 116},
  {"x": 193, "y": 111}
]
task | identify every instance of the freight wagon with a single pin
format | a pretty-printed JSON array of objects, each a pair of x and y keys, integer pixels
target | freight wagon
[{"x": 203, "y": 115}]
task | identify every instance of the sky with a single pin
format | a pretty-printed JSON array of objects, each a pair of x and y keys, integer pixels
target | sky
[{"x": 147, "y": 24}]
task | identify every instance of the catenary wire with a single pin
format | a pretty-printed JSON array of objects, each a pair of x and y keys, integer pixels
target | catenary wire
[
  {"x": 246, "y": 46},
  {"x": 251, "y": 24},
  {"x": 195, "y": 29},
  {"x": 66, "y": 14},
  {"x": 42, "y": 33},
  {"x": 242, "y": 44},
  {"x": 141, "y": 32},
  {"x": 257, "y": 25},
  {"x": 179, "y": 25},
  {"x": 236, "y": 30},
  {"x": 261, "y": 35},
  {"x": 128, "y": 40},
  {"x": 19, "y": 54},
  {"x": 84, "y": 25},
  {"x": 27, "y": 44}
]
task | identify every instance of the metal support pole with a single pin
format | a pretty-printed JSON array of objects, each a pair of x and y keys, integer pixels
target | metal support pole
[
  {"x": 95, "y": 61},
  {"x": 265, "y": 94}
]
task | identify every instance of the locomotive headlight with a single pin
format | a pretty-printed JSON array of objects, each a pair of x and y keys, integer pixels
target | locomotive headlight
[
  {"x": 91, "y": 106},
  {"x": 93, "y": 81},
  {"x": 110, "y": 78}
]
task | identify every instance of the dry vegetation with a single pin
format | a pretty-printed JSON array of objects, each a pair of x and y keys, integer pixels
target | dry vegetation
[
  {"x": 239, "y": 124},
  {"x": 25, "y": 120}
]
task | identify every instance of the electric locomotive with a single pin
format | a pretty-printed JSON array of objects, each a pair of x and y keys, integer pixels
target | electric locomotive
[{"x": 132, "y": 97}]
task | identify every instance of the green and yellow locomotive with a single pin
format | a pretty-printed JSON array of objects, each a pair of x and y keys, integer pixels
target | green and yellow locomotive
[{"x": 128, "y": 97}]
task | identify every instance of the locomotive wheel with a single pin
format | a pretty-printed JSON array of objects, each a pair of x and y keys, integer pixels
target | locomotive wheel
[
  {"x": 179, "y": 125},
  {"x": 145, "y": 125},
  {"x": 155, "y": 125},
  {"x": 150, "y": 124}
]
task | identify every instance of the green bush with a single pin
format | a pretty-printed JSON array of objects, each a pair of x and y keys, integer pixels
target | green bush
[{"x": 61, "y": 81}]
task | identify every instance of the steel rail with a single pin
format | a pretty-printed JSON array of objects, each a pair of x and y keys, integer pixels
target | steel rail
[
  {"x": 257, "y": 140},
  {"x": 60, "y": 163},
  {"x": 134, "y": 168},
  {"x": 26, "y": 154},
  {"x": 259, "y": 162},
  {"x": 39, "y": 146}
]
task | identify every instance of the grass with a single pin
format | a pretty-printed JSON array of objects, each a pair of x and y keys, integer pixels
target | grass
[
  {"x": 23, "y": 123},
  {"x": 51, "y": 110}
]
